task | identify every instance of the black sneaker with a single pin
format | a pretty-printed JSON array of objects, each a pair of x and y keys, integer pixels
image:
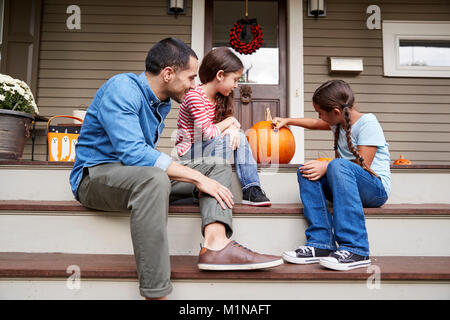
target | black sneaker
[
  {"x": 254, "y": 196},
  {"x": 343, "y": 260},
  {"x": 306, "y": 255}
]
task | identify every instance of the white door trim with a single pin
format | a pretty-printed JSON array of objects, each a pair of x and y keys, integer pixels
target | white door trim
[
  {"x": 296, "y": 74},
  {"x": 198, "y": 29}
]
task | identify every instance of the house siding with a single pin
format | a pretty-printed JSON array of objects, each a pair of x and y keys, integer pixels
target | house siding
[
  {"x": 414, "y": 112},
  {"x": 115, "y": 37}
]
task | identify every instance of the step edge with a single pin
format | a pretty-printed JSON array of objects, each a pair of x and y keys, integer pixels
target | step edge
[
  {"x": 439, "y": 209},
  {"x": 196, "y": 274}
]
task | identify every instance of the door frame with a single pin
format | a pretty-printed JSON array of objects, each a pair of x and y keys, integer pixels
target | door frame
[{"x": 294, "y": 62}]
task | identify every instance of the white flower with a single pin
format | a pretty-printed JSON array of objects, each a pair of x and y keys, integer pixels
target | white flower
[{"x": 16, "y": 87}]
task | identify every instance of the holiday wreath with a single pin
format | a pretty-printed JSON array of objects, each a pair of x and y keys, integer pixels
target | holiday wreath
[{"x": 246, "y": 36}]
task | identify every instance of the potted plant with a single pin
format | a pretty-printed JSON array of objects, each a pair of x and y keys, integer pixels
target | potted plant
[{"x": 17, "y": 111}]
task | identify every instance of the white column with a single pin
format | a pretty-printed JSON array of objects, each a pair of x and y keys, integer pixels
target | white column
[
  {"x": 198, "y": 29},
  {"x": 295, "y": 74}
]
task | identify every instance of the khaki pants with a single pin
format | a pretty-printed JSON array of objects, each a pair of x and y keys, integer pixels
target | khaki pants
[{"x": 146, "y": 193}]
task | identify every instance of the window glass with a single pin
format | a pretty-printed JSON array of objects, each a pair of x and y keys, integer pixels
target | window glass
[
  {"x": 262, "y": 66},
  {"x": 429, "y": 53}
]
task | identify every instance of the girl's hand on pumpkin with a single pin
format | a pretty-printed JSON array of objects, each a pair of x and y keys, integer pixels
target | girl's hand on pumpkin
[
  {"x": 314, "y": 170},
  {"x": 235, "y": 137},
  {"x": 278, "y": 122}
]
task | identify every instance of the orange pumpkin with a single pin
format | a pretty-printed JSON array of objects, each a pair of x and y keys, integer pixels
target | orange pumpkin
[
  {"x": 402, "y": 161},
  {"x": 269, "y": 145},
  {"x": 324, "y": 159}
]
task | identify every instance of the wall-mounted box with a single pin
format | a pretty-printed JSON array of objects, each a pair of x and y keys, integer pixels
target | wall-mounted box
[{"x": 343, "y": 64}]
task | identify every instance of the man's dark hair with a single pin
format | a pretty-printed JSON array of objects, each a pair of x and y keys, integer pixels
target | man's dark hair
[{"x": 169, "y": 52}]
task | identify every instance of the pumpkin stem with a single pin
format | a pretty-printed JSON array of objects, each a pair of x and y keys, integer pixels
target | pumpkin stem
[{"x": 268, "y": 115}]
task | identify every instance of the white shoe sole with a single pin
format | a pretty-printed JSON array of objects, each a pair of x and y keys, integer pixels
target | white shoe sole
[
  {"x": 296, "y": 260},
  {"x": 327, "y": 263},
  {"x": 253, "y": 266},
  {"x": 257, "y": 204}
]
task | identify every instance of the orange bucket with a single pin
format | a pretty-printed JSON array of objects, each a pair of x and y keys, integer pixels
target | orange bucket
[{"x": 61, "y": 140}]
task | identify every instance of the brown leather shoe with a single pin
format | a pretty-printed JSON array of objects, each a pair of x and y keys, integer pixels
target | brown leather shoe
[{"x": 235, "y": 257}]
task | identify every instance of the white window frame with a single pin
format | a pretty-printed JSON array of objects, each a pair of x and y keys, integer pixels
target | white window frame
[{"x": 394, "y": 31}]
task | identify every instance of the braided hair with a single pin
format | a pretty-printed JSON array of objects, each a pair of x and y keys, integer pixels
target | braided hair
[{"x": 338, "y": 94}]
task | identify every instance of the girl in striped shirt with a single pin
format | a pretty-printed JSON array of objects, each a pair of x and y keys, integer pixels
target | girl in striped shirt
[{"x": 206, "y": 126}]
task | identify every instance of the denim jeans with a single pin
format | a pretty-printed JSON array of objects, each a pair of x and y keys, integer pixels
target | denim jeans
[
  {"x": 349, "y": 188},
  {"x": 246, "y": 168}
]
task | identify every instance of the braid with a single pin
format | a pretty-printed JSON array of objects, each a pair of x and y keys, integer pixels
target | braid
[
  {"x": 338, "y": 94},
  {"x": 351, "y": 147},
  {"x": 336, "y": 139}
]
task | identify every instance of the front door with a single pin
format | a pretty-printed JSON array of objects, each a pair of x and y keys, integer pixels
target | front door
[{"x": 265, "y": 69}]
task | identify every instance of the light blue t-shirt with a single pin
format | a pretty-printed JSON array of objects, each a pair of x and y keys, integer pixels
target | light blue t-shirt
[{"x": 367, "y": 131}]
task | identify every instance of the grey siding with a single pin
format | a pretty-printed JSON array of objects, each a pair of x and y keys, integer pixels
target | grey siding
[
  {"x": 115, "y": 37},
  {"x": 414, "y": 112}
]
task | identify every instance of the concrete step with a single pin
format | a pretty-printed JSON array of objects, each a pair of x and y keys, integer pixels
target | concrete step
[
  {"x": 66, "y": 226},
  {"x": 81, "y": 276},
  {"x": 38, "y": 180}
]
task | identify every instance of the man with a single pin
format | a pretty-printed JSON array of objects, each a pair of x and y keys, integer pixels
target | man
[{"x": 118, "y": 168}]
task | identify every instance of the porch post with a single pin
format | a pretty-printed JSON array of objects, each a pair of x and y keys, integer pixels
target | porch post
[
  {"x": 295, "y": 74},
  {"x": 198, "y": 29}
]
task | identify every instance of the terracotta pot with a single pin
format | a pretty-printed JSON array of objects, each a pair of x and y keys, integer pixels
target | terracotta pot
[{"x": 14, "y": 131}]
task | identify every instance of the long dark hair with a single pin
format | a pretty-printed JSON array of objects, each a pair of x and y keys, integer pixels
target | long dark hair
[
  {"x": 338, "y": 94},
  {"x": 217, "y": 59}
]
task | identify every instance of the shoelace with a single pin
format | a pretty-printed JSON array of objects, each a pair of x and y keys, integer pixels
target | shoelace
[
  {"x": 304, "y": 249},
  {"x": 240, "y": 246},
  {"x": 256, "y": 189},
  {"x": 342, "y": 253}
]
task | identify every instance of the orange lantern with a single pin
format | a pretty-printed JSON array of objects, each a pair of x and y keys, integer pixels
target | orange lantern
[{"x": 270, "y": 145}]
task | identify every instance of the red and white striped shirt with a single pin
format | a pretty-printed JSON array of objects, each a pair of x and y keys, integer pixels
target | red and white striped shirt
[{"x": 195, "y": 120}]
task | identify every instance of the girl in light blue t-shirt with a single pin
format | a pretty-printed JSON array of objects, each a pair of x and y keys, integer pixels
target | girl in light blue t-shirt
[{"x": 358, "y": 177}]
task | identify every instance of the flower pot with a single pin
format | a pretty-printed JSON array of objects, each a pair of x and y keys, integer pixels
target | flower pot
[{"x": 14, "y": 131}]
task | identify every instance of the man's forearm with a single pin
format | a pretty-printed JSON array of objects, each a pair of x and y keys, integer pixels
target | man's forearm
[{"x": 178, "y": 172}]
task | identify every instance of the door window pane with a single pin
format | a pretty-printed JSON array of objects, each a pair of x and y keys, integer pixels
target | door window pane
[{"x": 262, "y": 66}]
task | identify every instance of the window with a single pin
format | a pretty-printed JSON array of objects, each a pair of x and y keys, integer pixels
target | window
[
  {"x": 261, "y": 67},
  {"x": 416, "y": 49}
]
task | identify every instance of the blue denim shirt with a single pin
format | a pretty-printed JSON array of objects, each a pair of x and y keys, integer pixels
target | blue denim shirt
[{"x": 123, "y": 124}]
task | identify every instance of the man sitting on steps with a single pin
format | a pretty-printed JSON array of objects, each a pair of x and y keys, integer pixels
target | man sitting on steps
[{"x": 117, "y": 168}]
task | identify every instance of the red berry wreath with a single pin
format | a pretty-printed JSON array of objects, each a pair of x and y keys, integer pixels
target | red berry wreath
[{"x": 240, "y": 36}]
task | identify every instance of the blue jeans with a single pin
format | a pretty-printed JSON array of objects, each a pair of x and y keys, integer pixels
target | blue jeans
[
  {"x": 349, "y": 188},
  {"x": 246, "y": 168}
]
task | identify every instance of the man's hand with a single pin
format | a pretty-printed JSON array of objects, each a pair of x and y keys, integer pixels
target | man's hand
[
  {"x": 314, "y": 170},
  {"x": 222, "y": 194}
]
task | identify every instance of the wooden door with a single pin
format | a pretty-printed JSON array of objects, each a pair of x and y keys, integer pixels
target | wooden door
[
  {"x": 265, "y": 70},
  {"x": 20, "y": 45}
]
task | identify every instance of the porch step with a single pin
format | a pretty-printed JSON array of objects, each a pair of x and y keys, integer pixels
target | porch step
[
  {"x": 50, "y": 276},
  {"x": 66, "y": 226},
  {"x": 28, "y": 180}
]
